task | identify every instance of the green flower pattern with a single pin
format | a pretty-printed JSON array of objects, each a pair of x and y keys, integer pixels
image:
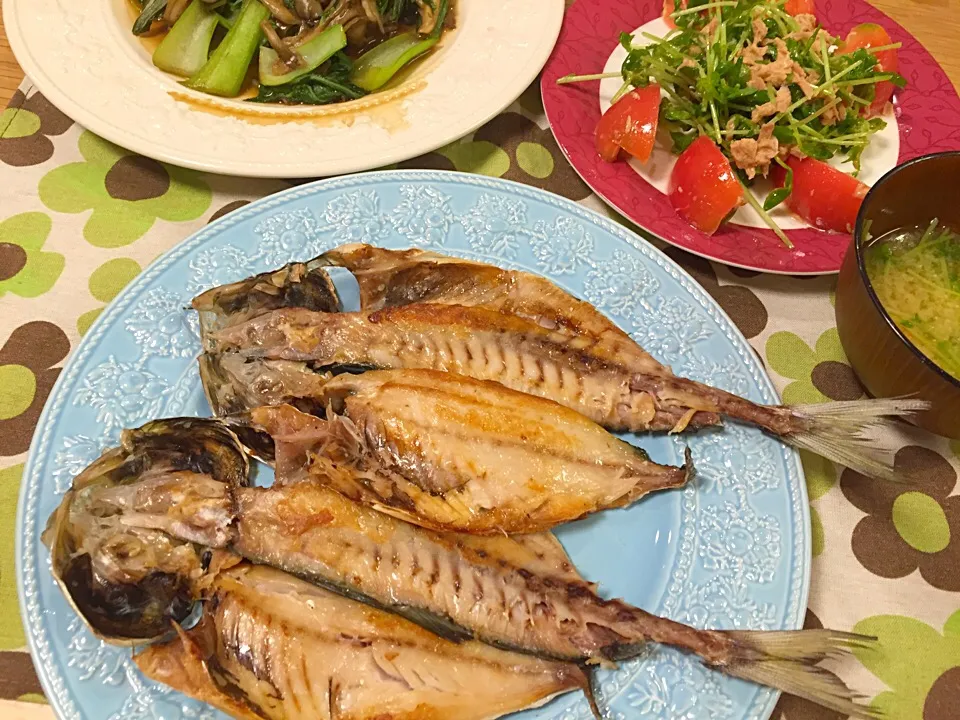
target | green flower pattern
[
  {"x": 819, "y": 374},
  {"x": 25, "y": 269},
  {"x": 126, "y": 193},
  {"x": 919, "y": 664},
  {"x": 105, "y": 282},
  {"x": 11, "y": 631}
]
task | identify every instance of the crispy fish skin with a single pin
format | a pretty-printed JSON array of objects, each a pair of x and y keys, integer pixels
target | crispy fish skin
[
  {"x": 457, "y": 454},
  {"x": 273, "y": 646},
  {"x": 393, "y": 278},
  {"x": 471, "y": 341},
  {"x": 462, "y": 587}
]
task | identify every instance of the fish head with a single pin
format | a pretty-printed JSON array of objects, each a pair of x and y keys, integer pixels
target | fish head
[
  {"x": 111, "y": 552},
  {"x": 294, "y": 285}
]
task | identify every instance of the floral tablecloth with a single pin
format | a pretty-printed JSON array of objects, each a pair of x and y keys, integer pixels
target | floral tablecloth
[{"x": 80, "y": 217}]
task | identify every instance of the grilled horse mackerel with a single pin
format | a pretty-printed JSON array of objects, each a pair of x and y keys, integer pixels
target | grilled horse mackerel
[
  {"x": 422, "y": 310},
  {"x": 441, "y": 450},
  {"x": 511, "y": 594},
  {"x": 273, "y": 646}
]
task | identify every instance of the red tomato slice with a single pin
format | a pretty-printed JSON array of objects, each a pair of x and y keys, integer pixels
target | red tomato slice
[
  {"x": 799, "y": 7},
  {"x": 703, "y": 188},
  {"x": 669, "y": 7},
  {"x": 630, "y": 124},
  {"x": 822, "y": 195},
  {"x": 868, "y": 35}
]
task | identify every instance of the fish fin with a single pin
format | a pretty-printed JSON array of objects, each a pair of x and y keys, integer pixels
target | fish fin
[
  {"x": 590, "y": 692},
  {"x": 787, "y": 661},
  {"x": 850, "y": 432}
]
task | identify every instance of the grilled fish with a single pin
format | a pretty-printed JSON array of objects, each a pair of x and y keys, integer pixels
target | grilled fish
[
  {"x": 453, "y": 453},
  {"x": 305, "y": 285},
  {"x": 522, "y": 355},
  {"x": 392, "y": 278},
  {"x": 389, "y": 278},
  {"x": 273, "y": 646},
  {"x": 129, "y": 582},
  {"x": 517, "y": 596}
]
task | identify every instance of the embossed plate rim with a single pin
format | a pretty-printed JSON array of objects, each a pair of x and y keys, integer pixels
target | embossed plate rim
[{"x": 29, "y": 561}]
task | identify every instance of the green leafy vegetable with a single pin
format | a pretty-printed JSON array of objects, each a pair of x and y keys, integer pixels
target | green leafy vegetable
[
  {"x": 312, "y": 54},
  {"x": 150, "y": 12},
  {"x": 224, "y": 72},
  {"x": 377, "y": 66},
  {"x": 326, "y": 85},
  {"x": 745, "y": 72}
]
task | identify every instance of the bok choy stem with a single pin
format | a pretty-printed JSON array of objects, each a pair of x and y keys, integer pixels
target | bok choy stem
[
  {"x": 224, "y": 72},
  {"x": 185, "y": 48}
]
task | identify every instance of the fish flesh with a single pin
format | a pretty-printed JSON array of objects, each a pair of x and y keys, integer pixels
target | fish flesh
[
  {"x": 521, "y": 354},
  {"x": 130, "y": 582},
  {"x": 491, "y": 589},
  {"x": 273, "y": 646},
  {"x": 453, "y": 453}
]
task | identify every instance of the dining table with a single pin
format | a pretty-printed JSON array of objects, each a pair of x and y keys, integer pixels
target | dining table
[{"x": 81, "y": 217}]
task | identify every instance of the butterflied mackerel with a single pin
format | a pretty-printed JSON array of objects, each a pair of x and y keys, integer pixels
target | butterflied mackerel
[
  {"x": 610, "y": 389},
  {"x": 273, "y": 646},
  {"x": 443, "y": 451},
  {"x": 515, "y": 595}
]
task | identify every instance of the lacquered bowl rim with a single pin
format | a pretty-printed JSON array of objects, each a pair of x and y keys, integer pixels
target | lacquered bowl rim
[{"x": 861, "y": 267}]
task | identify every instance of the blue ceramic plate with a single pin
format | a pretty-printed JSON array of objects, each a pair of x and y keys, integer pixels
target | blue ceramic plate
[{"x": 732, "y": 551}]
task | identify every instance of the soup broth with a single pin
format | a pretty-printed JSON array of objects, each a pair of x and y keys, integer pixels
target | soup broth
[{"x": 915, "y": 273}]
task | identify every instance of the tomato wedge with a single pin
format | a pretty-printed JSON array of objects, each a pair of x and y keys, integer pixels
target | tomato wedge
[
  {"x": 703, "y": 188},
  {"x": 822, "y": 195},
  {"x": 669, "y": 7},
  {"x": 868, "y": 35},
  {"x": 799, "y": 7},
  {"x": 630, "y": 124}
]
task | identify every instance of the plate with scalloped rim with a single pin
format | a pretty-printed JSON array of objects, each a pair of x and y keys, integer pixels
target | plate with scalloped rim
[
  {"x": 85, "y": 60},
  {"x": 925, "y": 119},
  {"x": 730, "y": 551}
]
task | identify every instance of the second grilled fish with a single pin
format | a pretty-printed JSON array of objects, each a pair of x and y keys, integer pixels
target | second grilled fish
[
  {"x": 520, "y": 354},
  {"x": 452, "y": 453}
]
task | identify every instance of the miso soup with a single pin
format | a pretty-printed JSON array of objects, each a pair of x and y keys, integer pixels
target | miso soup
[{"x": 916, "y": 275}]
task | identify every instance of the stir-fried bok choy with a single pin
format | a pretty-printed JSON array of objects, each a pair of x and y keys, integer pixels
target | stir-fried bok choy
[{"x": 309, "y": 52}]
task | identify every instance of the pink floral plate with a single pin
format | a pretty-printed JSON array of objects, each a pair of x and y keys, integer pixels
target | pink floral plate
[{"x": 925, "y": 119}]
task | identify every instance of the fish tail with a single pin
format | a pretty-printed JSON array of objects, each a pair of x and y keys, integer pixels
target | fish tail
[
  {"x": 847, "y": 432},
  {"x": 787, "y": 661},
  {"x": 851, "y": 433}
]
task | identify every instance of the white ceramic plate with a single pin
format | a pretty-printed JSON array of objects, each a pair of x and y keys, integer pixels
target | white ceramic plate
[{"x": 84, "y": 59}]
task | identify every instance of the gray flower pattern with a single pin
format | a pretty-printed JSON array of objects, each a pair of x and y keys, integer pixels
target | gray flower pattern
[
  {"x": 356, "y": 217},
  {"x": 289, "y": 236},
  {"x": 495, "y": 225},
  {"x": 217, "y": 266},
  {"x": 163, "y": 323},
  {"x": 739, "y": 541},
  {"x": 561, "y": 246},
  {"x": 424, "y": 215},
  {"x": 620, "y": 284},
  {"x": 123, "y": 394}
]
